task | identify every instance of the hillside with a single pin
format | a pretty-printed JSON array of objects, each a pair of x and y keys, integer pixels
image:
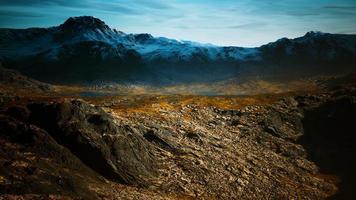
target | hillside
[{"x": 16, "y": 81}]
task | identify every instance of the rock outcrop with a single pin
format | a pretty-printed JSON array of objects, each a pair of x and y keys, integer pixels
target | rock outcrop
[
  {"x": 32, "y": 162},
  {"x": 117, "y": 151}
]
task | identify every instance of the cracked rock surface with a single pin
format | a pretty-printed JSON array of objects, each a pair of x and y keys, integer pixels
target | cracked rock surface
[{"x": 171, "y": 148}]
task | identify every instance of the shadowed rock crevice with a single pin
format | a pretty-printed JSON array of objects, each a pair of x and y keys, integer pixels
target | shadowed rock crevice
[
  {"x": 158, "y": 139},
  {"x": 330, "y": 140}
]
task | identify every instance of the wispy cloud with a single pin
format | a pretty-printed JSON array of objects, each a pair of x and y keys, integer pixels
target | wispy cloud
[
  {"x": 247, "y": 25},
  {"x": 340, "y": 7},
  {"x": 11, "y": 13},
  {"x": 154, "y": 4},
  {"x": 114, "y": 8},
  {"x": 34, "y": 3},
  {"x": 303, "y": 13}
]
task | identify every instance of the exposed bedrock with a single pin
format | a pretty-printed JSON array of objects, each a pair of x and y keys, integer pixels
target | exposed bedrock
[
  {"x": 284, "y": 150},
  {"x": 116, "y": 151}
]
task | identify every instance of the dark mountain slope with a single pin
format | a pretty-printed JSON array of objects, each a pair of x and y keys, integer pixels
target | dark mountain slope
[
  {"x": 315, "y": 52},
  {"x": 12, "y": 79}
]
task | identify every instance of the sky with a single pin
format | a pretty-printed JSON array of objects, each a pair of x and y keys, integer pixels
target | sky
[{"x": 246, "y": 23}]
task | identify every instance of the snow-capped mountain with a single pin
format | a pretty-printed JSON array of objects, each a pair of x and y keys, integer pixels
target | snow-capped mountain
[
  {"x": 84, "y": 29},
  {"x": 86, "y": 49}
]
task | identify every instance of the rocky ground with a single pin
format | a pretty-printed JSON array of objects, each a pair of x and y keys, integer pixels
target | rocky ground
[{"x": 278, "y": 146}]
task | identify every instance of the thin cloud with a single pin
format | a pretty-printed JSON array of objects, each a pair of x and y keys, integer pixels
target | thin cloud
[
  {"x": 154, "y": 4},
  {"x": 247, "y": 25},
  {"x": 339, "y": 7},
  {"x": 341, "y": 10},
  {"x": 302, "y": 13},
  {"x": 10, "y": 13},
  {"x": 33, "y": 3},
  {"x": 115, "y": 8}
]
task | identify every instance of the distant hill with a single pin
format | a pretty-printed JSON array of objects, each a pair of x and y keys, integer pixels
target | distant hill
[
  {"x": 84, "y": 50},
  {"x": 14, "y": 80}
]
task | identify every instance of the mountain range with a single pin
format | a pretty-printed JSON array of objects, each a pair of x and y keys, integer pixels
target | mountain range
[{"x": 85, "y": 50}]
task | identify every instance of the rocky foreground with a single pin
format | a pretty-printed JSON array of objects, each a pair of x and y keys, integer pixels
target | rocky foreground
[{"x": 147, "y": 147}]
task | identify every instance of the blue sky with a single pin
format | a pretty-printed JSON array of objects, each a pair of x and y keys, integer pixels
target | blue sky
[{"x": 223, "y": 22}]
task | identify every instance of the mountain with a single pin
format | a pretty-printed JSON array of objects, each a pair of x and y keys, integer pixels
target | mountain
[
  {"x": 84, "y": 49},
  {"x": 315, "y": 52}
]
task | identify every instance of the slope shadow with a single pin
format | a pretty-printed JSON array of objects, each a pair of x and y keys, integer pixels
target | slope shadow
[{"x": 330, "y": 140}]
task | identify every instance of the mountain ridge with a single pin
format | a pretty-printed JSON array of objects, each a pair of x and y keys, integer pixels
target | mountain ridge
[{"x": 87, "y": 45}]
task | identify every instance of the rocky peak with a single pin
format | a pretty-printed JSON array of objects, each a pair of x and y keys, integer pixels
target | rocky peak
[
  {"x": 314, "y": 34},
  {"x": 84, "y": 23},
  {"x": 143, "y": 37}
]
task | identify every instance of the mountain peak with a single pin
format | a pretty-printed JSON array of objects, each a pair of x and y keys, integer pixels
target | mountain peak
[
  {"x": 84, "y": 22},
  {"x": 142, "y": 37},
  {"x": 314, "y": 33}
]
